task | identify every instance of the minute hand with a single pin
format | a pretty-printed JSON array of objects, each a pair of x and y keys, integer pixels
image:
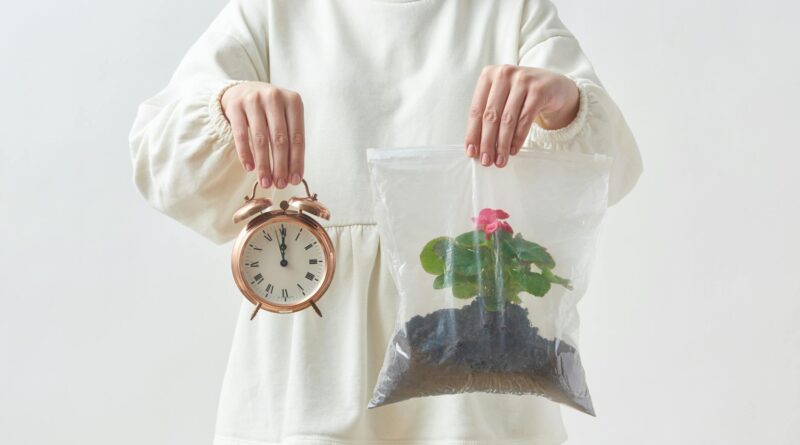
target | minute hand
[{"x": 282, "y": 246}]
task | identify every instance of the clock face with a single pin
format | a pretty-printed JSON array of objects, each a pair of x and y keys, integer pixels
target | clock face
[{"x": 283, "y": 262}]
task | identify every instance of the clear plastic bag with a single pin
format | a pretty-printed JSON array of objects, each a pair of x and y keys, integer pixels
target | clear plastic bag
[{"x": 489, "y": 264}]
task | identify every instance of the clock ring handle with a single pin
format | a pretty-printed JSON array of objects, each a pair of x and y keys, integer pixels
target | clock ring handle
[
  {"x": 314, "y": 197},
  {"x": 248, "y": 198},
  {"x": 305, "y": 184}
]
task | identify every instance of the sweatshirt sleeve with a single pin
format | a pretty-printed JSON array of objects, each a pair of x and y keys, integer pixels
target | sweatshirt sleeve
[
  {"x": 181, "y": 144},
  {"x": 599, "y": 126}
]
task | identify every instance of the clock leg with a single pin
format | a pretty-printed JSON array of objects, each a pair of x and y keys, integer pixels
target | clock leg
[
  {"x": 316, "y": 309},
  {"x": 255, "y": 312}
]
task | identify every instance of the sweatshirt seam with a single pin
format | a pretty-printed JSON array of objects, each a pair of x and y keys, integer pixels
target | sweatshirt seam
[
  {"x": 343, "y": 225},
  {"x": 543, "y": 40},
  {"x": 328, "y": 440}
]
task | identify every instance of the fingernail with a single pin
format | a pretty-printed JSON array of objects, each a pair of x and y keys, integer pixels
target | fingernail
[
  {"x": 471, "y": 150},
  {"x": 281, "y": 183},
  {"x": 501, "y": 159},
  {"x": 264, "y": 182},
  {"x": 248, "y": 166},
  {"x": 485, "y": 159},
  {"x": 295, "y": 178}
]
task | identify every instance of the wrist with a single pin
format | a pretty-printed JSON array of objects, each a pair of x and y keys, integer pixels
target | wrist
[{"x": 566, "y": 114}]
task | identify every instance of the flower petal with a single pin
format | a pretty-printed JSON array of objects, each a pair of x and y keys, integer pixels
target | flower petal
[{"x": 500, "y": 213}]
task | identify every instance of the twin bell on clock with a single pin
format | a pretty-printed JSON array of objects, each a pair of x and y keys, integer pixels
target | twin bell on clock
[{"x": 283, "y": 259}]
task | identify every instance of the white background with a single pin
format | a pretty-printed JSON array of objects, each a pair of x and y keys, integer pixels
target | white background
[{"x": 115, "y": 322}]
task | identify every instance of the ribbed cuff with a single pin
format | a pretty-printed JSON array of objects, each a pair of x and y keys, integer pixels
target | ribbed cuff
[
  {"x": 553, "y": 138},
  {"x": 218, "y": 120}
]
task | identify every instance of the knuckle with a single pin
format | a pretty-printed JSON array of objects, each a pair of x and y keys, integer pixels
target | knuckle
[
  {"x": 252, "y": 98},
  {"x": 475, "y": 112},
  {"x": 535, "y": 89},
  {"x": 490, "y": 115},
  {"x": 259, "y": 139},
  {"x": 280, "y": 138},
  {"x": 508, "y": 118},
  {"x": 487, "y": 70},
  {"x": 271, "y": 94},
  {"x": 505, "y": 71},
  {"x": 294, "y": 98},
  {"x": 297, "y": 138},
  {"x": 240, "y": 134},
  {"x": 524, "y": 118},
  {"x": 525, "y": 76}
]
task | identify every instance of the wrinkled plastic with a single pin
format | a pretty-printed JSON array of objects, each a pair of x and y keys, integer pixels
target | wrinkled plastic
[{"x": 497, "y": 340}]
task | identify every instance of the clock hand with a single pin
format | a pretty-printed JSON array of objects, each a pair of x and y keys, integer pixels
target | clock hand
[{"x": 282, "y": 246}]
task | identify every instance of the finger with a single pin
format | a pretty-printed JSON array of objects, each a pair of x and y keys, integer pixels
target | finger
[
  {"x": 501, "y": 84},
  {"x": 259, "y": 138},
  {"x": 508, "y": 122},
  {"x": 296, "y": 131},
  {"x": 530, "y": 108},
  {"x": 279, "y": 141},
  {"x": 241, "y": 136},
  {"x": 473, "y": 138}
]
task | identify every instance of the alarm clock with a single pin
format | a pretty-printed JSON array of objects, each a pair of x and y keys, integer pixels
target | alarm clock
[{"x": 283, "y": 260}]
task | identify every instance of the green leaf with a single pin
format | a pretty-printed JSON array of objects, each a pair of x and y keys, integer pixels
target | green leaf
[
  {"x": 513, "y": 298},
  {"x": 532, "y": 252},
  {"x": 471, "y": 239},
  {"x": 466, "y": 261},
  {"x": 502, "y": 235},
  {"x": 430, "y": 257},
  {"x": 465, "y": 290},
  {"x": 535, "y": 284},
  {"x": 440, "y": 282},
  {"x": 553, "y": 278},
  {"x": 507, "y": 252}
]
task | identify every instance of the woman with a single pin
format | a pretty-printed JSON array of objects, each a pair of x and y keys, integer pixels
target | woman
[{"x": 283, "y": 90}]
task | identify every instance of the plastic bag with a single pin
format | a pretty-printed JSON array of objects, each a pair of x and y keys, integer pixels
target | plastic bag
[{"x": 489, "y": 264}]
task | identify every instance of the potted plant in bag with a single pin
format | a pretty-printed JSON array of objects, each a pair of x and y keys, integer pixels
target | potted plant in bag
[{"x": 488, "y": 345}]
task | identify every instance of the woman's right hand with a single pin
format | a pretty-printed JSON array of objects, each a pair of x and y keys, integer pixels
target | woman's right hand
[{"x": 264, "y": 117}]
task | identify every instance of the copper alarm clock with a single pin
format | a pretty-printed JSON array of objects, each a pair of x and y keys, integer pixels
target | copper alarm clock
[{"x": 283, "y": 260}]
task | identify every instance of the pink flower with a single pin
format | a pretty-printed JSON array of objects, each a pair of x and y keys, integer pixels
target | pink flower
[{"x": 488, "y": 220}]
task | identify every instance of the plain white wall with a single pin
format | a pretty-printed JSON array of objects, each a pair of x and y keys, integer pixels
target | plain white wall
[{"x": 115, "y": 322}]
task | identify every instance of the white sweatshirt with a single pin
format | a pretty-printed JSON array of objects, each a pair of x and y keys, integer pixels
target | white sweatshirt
[{"x": 372, "y": 73}]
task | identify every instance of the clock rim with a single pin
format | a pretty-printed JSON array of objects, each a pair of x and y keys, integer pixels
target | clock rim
[{"x": 295, "y": 218}]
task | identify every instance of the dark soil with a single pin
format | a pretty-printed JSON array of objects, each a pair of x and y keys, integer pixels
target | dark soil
[{"x": 470, "y": 349}]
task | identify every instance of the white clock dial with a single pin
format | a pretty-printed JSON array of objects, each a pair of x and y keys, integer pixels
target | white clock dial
[{"x": 283, "y": 276}]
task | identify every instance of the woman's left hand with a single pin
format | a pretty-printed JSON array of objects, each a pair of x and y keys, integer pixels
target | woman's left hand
[{"x": 507, "y": 100}]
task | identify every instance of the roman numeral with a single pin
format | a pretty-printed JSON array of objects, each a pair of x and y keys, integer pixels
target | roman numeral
[
  {"x": 298, "y": 234},
  {"x": 269, "y": 288},
  {"x": 309, "y": 246},
  {"x": 266, "y": 235},
  {"x": 254, "y": 247},
  {"x": 309, "y": 276},
  {"x": 301, "y": 288},
  {"x": 257, "y": 279},
  {"x": 312, "y": 261},
  {"x": 253, "y": 264},
  {"x": 285, "y": 294}
]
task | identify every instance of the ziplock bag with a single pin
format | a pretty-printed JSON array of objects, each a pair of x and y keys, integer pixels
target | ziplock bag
[{"x": 489, "y": 264}]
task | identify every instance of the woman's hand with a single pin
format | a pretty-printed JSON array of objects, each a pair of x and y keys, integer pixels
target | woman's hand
[
  {"x": 264, "y": 117},
  {"x": 507, "y": 100}
]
